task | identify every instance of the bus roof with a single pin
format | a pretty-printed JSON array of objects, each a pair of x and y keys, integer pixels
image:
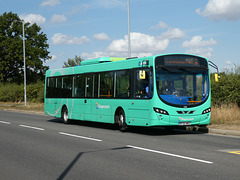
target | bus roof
[
  {"x": 101, "y": 60},
  {"x": 107, "y": 64}
]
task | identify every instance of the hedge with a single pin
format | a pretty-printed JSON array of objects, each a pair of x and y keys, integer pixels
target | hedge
[
  {"x": 227, "y": 90},
  {"x": 15, "y": 93}
]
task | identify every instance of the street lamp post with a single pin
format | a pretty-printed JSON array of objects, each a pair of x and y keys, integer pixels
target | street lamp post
[
  {"x": 129, "y": 39},
  {"x": 24, "y": 64}
]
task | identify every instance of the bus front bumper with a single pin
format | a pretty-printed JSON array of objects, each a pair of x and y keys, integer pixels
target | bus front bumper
[{"x": 168, "y": 120}]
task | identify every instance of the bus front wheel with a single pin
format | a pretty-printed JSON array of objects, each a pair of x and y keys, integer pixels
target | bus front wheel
[
  {"x": 65, "y": 115},
  {"x": 121, "y": 121}
]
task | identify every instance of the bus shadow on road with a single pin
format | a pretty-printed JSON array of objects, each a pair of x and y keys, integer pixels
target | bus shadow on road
[
  {"x": 86, "y": 124},
  {"x": 151, "y": 131},
  {"x": 161, "y": 131}
]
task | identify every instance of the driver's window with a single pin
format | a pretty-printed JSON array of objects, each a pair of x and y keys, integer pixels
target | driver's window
[{"x": 143, "y": 86}]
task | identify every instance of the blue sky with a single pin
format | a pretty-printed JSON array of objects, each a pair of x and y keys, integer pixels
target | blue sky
[{"x": 98, "y": 28}]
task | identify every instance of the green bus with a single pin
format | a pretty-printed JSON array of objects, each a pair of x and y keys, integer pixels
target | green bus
[{"x": 164, "y": 90}]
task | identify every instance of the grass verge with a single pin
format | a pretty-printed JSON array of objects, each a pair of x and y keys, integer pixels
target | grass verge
[
  {"x": 226, "y": 116},
  {"x": 34, "y": 107}
]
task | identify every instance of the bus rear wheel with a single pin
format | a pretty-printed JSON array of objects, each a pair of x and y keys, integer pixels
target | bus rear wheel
[
  {"x": 121, "y": 120},
  {"x": 65, "y": 115}
]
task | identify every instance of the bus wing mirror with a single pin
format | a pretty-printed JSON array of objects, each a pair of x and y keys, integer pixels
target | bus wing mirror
[
  {"x": 217, "y": 77},
  {"x": 142, "y": 74}
]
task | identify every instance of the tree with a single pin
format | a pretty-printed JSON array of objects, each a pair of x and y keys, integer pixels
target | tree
[
  {"x": 11, "y": 50},
  {"x": 73, "y": 62}
]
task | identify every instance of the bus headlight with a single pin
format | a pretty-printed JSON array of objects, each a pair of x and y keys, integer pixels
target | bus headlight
[
  {"x": 161, "y": 111},
  {"x": 206, "y": 111}
]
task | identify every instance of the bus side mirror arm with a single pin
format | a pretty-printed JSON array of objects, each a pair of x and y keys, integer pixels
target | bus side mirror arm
[{"x": 216, "y": 75}]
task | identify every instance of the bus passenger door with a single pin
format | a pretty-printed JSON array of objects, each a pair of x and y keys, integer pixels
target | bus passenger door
[
  {"x": 139, "y": 110},
  {"x": 88, "y": 96}
]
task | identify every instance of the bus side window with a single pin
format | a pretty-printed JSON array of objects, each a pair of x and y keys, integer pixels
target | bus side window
[
  {"x": 67, "y": 86},
  {"x": 88, "y": 86},
  {"x": 79, "y": 85},
  {"x": 123, "y": 84},
  {"x": 51, "y": 87},
  {"x": 96, "y": 85},
  {"x": 106, "y": 85}
]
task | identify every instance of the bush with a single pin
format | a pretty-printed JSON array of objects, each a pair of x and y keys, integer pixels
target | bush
[
  {"x": 35, "y": 92},
  {"x": 15, "y": 93},
  {"x": 227, "y": 90},
  {"x": 11, "y": 92}
]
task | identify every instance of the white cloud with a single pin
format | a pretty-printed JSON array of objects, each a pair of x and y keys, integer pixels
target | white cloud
[
  {"x": 160, "y": 25},
  {"x": 50, "y": 3},
  {"x": 141, "y": 45},
  {"x": 202, "y": 51},
  {"x": 229, "y": 62},
  {"x": 228, "y": 66},
  {"x": 221, "y": 9},
  {"x": 197, "y": 41},
  {"x": 95, "y": 54},
  {"x": 33, "y": 18},
  {"x": 199, "y": 46},
  {"x": 60, "y": 38},
  {"x": 101, "y": 37},
  {"x": 54, "y": 57},
  {"x": 173, "y": 33},
  {"x": 57, "y": 18}
]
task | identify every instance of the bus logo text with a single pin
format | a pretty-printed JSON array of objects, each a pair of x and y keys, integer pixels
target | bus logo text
[{"x": 99, "y": 106}]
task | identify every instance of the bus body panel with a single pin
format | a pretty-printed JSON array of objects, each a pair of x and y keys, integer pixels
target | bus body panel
[{"x": 138, "y": 112}]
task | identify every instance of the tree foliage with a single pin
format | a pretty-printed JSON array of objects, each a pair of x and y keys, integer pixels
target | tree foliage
[
  {"x": 227, "y": 90},
  {"x": 73, "y": 62},
  {"x": 11, "y": 50}
]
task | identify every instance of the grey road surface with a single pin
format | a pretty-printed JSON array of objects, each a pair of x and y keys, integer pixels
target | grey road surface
[{"x": 41, "y": 147}]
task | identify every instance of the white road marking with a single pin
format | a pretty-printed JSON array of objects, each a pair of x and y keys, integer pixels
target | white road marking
[
  {"x": 4, "y": 122},
  {"x": 169, "y": 154},
  {"x": 77, "y": 136},
  {"x": 31, "y": 127}
]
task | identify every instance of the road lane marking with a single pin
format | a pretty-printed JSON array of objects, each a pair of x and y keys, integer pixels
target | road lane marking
[
  {"x": 4, "y": 122},
  {"x": 234, "y": 152},
  {"x": 82, "y": 137},
  {"x": 32, "y": 127},
  {"x": 231, "y": 151},
  {"x": 169, "y": 154}
]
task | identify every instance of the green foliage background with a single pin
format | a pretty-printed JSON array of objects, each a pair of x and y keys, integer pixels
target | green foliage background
[
  {"x": 227, "y": 90},
  {"x": 12, "y": 92}
]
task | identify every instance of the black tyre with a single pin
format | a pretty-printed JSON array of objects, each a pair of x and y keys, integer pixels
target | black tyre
[
  {"x": 121, "y": 121},
  {"x": 65, "y": 115}
]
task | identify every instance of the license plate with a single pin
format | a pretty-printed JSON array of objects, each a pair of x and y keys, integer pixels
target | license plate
[{"x": 184, "y": 123}]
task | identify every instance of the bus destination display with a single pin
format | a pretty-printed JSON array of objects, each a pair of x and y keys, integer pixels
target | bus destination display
[{"x": 181, "y": 61}]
